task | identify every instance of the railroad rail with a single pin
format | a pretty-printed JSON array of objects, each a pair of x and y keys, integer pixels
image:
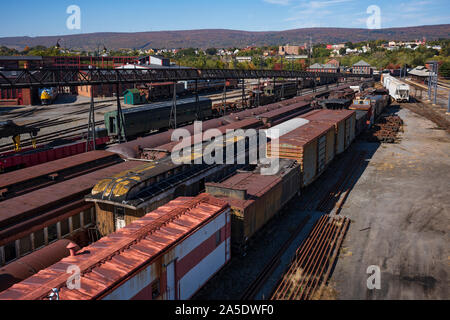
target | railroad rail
[
  {"x": 26, "y": 78},
  {"x": 327, "y": 203},
  {"x": 72, "y": 132},
  {"x": 313, "y": 261},
  {"x": 262, "y": 277}
]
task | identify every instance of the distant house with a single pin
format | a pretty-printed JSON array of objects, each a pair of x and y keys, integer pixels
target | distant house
[
  {"x": 243, "y": 59},
  {"x": 334, "y": 62},
  {"x": 296, "y": 57},
  {"x": 362, "y": 67}
]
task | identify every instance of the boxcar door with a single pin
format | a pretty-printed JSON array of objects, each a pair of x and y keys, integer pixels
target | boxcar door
[
  {"x": 171, "y": 285},
  {"x": 322, "y": 153}
]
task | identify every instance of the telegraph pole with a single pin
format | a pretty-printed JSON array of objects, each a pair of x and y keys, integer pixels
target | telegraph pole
[
  {"x": 120, "y": 117},
  {"x": 91, "y": 126},
  {"x": 436, "y": 78}
]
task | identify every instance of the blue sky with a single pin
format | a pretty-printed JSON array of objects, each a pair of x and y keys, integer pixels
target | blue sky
[{"x": 48, "y": 17}]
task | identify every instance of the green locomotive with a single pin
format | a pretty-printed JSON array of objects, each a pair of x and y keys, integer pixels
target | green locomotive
[{"x": 152, "y": 117}]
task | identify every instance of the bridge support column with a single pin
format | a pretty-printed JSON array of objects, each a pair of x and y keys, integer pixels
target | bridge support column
[
  {"x": 91, "y": 134},
  {"x": 120, "y": 118}
]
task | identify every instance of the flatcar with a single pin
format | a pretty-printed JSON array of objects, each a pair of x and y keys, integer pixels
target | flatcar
[
  {"x": 152, "y": 117},
  {"x": 58, "y": 149}
]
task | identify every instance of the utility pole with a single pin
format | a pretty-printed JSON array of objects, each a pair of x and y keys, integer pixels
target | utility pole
[
  {"x": 310, "y": 50},
  {"x": 120, "y": 117},
  {"x": 430, "y": 79},
  {"x": 244, "y": 100},
  {"x": 436, "y": 77},
  {"x": 224, "y": 97},
  {"x": 198, "y": 115},
  {"x": 91, "y": 125}
]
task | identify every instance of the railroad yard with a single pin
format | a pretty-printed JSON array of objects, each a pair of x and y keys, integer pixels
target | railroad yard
[
  {"x": 70, "y": 119},
  {"x": 402, "y": 227},
  {"x": 361, "y": 182}
]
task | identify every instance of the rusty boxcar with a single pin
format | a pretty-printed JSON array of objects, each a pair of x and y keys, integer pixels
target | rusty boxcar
[
  {"x": 167, "y": 255},
  {"x": 256, "y": 198}
]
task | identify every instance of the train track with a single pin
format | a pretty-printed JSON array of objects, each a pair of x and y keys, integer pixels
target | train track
[
  {"x": 425, "y": 88},
  {"x": 313, "y": 261},
  {"x": 47, "y": 138},
  {"x": 321, "y": 199},
  {"x": 61, "y": 134},
  {"x": 255, "y": 286}
]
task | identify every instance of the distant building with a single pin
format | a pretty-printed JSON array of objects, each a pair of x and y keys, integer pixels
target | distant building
[
  {"x": 243, "y": 59},
  {"x": 16, "y": 62},
  {"x": 296, "y": 57},
  {"x": 328, "y": 68},
  {"x": 338, "y": 46},
  {"x": 334, "y": 62},
  {"x": 362, "y": 67},
  {"x": 18, "y": 96},
  {"x": 269, "y": 53},
  {"x": 289, "y": 50},
  {"x": 100, "y": 91},
  {"x": 419, "y": 74},
  {"x": 154, "y": 60}
]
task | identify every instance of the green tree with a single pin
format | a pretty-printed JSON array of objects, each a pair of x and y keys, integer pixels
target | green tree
[
  {"x": 444, "y": 69},
  {"x": 211, "y": 51}
]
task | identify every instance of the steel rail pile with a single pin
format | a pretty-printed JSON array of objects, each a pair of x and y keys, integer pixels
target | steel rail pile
[
  {"x": 314, "y": 260},
  {"x": 71, "y": 77}
]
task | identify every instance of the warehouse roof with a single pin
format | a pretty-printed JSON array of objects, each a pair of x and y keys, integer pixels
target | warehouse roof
[
  {"x": 420, "y": 71},
  {"x": 122, "y": 254},
  {"x": 361, "y": 63},
  {"x": 323, "y": 66}
]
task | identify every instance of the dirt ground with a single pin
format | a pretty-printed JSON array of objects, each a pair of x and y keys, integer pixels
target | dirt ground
[{"x": 400, "y": 211}]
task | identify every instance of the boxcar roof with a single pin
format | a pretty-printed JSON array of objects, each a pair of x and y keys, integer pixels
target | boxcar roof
[
  {"x": 122, "y": 254},
  {"x": 164, "y": 104}
]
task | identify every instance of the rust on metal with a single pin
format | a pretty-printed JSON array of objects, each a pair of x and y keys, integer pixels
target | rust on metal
[
  {"x": 30, "y": 179},
  {"x": 31, "y": 264},
  {"x": 39, "y": 207},
  {"x": 112, "y": 259},
  {"x": 313, "y": 261}
]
